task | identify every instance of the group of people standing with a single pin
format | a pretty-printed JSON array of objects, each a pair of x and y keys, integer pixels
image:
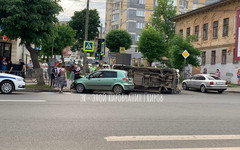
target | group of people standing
[
  {"x": 217, "y": 73},
  {"x": 6, "y": 66}
]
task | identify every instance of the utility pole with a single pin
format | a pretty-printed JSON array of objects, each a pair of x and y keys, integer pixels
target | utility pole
[{"x": 85, "y": 65}]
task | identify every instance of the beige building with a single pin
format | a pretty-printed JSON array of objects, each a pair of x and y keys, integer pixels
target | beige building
[{"x": 215, "y": 29}]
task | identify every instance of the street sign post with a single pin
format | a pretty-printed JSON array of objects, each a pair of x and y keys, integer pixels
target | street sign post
[
  {"x": 122, "y": 49},
  {"x": 185, "y": 54},
  {"x": 88, "y": 46}
]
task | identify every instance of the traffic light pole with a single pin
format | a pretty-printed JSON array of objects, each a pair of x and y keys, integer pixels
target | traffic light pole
[{"x": 85, "y": 65}]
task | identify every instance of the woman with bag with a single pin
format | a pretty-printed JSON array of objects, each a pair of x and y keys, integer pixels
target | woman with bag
[{"x": 62, "y": 76}]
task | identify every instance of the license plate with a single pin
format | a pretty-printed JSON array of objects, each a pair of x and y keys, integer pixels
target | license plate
[{"x": 220, "y": 83}]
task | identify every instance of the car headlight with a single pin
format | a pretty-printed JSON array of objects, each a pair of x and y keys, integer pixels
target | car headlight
[{"x": 19, "y": 79}]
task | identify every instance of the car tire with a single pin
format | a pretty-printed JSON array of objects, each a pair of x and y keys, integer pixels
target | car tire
[
  {"x": 220, "y": 91},
  {"x": 203, "y": 89},
  {"x": 184, "y": 86},
  {"x": 80, "y": 88},
  {"x": 117, "y": 89},
  {"x": 6, "y": 87}
]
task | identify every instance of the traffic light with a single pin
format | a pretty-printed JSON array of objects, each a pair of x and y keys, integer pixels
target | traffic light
[
  {"x": 97, "y": 56},
  {"x": 99, "y": 47}
]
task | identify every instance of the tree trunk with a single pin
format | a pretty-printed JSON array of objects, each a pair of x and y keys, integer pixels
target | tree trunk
[
  {"x": 62, "y": 58},
  {"x": 36, "y": 65}
]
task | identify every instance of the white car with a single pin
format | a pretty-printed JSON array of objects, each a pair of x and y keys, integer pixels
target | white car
[{"x": 9, "y": 83}]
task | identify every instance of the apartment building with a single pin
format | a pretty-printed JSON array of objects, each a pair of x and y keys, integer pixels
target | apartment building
[
  {"x": 215, "y": 29},
  {"x": 184, "y": 6},
  {"x": 129, "y": 15}
]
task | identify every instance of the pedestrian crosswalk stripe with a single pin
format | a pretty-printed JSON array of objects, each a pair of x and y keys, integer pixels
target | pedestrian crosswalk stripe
[
  {"x": 172, "y": 138},
  {"x": 223, "y": 148},
  {"x": 38, "y": 101}
]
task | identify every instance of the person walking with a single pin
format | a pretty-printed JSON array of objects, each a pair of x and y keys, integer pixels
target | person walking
[
  {"x": 9, "y": 66},
  {"x": 77, "y": 72},
  {"x": 238, "y": 76},
  {"x": 59, "y": 66},
  {"x": 62, "y": 78},
  {"x": 53, "y": 76},
  {"x": 45, "y": 70},
  {"x": 30, "y": 68},
  {"x": 3, "y": 65},
  {"x": 71, "y": 70},
  {"x": 22, "y": 68},
  {"x": 217, "y": 73}
]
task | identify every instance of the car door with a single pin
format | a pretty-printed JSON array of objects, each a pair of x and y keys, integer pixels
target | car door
[
  {"x": 199, "y": 80},
  {"x": 93, "y": 80},
  {"x": 108, "y": 79},
  {"x": 191, "y": 82}
]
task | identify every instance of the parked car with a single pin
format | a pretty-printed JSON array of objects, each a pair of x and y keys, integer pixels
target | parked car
[
  {"x": 107, "y": 80},
  {"x": 205, "y": 82},
  {"x": 9, "y": 83}
]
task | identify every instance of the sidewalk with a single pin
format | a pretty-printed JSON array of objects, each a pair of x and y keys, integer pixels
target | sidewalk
[{"x": 233, "y": 89}]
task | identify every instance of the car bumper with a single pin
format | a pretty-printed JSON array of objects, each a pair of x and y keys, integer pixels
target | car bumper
[
  {"x": 216, "y": 87},
  {"x": 20, "y": 86},
  {"x": 128, "y": 87},
  {"x": 73, "y": 85}
]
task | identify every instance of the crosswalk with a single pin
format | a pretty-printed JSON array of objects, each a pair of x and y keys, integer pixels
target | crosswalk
[{"x": 177, "y": 138}]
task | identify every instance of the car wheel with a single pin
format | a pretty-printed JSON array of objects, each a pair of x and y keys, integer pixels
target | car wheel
[
  {"x": 6, "y": 87},
  {"x": 203, "y": 89},
  {"x": 117, "y": 89},
  {"x": 80, "y": 88},
  {"x": 184, "y": 86},
  {"x": 220, "y": 91}
]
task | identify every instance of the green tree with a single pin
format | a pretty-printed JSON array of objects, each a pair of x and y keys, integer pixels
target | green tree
[
  {"x": 77, "y": 22},
  {"x": 152, "y": 44},
  {"x": 118, "y": 38},
  {"x": 177, "y": 46},
  {"x": 161, "y": 18},
  {"x": 63, "y": 37},
  {"x": 30, "y": 21}
]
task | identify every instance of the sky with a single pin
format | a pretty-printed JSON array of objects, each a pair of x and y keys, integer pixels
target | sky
[{"x": 70, "y": 6}]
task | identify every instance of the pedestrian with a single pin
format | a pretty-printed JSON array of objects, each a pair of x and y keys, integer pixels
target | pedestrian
[
  {"x": 71, "y": 70},
  {"x": 22, "y": 68},
  {"x": 59, "y": 66},
  {"x": 30, "y": 68},
  {"x": 62, "y": 78},
  {"x": 205, "y": 71},
  {"x": 238, "y": 76},
  {"x": 45, "y": 70},
  {"x": 77, "y": 72},
  {"x": 9, "y": 66},
  {"x": 217, "y": 73},
  {"x": 3, "y": 65},
  {"x": 53, "y": 76}
]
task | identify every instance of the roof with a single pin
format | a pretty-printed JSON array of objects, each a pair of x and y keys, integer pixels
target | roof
[{"x": 201, "y": 9}]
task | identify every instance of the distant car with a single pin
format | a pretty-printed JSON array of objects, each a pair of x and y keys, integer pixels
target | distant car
[
  {"x": 9, "y": 83},
  {"x": 205, "y": 82},
  {"x": 107, "y": 80}
]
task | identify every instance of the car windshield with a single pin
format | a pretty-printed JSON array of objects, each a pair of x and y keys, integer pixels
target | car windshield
[{"x": 213, "y": 78}]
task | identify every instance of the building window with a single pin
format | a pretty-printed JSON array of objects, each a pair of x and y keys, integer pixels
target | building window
[
  {"x": 115, "y": 27},
  {"x": 139, "y": 25},
  {"x": 225, "y": 26},
  {"x": 205, "y": 31},
  {"x": 5, "y": 50},
  {"x": 137, "y": 38},
  {"x": 213, "y": 58},
  {"x": 115, "y": 6},
  {"x": 188, "y": 31},
  {"x": 115, "y": 17},
  {"x": 141, "y": 1},
  {"x": 224, "y": 56},
  {"x": 234, "y": 60},
  {"x": 140, "y": 13},
  {"x": 181, "y": 31},
  {"x": 203, "y": 58},
  {"x": 196, "y": 33},
  {"x": 215, "y": 29}
]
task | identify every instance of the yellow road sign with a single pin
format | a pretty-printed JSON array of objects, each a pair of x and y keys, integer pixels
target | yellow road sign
[
  {"x": 185, "y": 54},
  {"x": 122, "y": 49}
]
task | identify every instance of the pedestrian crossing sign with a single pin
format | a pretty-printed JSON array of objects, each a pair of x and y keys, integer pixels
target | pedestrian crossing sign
[{"x": 88, "y": 46}]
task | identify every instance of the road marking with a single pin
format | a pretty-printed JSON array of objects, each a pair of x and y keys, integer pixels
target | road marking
[
  {"x": 172, "y": 138},
  {"x": 38, "y": 101},
  {"x": 225, "y": 148}
]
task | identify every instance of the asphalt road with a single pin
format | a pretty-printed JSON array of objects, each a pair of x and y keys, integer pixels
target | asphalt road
[{"x": 70, "y": 121}]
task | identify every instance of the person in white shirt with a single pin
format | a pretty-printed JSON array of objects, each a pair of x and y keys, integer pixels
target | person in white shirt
[{"x": 45, "y": 69}]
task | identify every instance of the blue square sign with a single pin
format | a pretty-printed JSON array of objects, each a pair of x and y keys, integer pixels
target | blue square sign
[{"x": 88, "y": 46}]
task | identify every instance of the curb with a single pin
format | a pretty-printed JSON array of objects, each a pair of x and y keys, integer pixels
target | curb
[{"x": 43, "y": 90}]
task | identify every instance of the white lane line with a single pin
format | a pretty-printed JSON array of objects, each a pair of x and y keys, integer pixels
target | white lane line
[
  {"x": 38, "y": 101},
  {"x": 172, "y": 138},
  {"x": 225, "y": 148}
]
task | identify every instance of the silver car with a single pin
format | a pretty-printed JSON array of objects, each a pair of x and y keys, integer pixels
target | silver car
[{"x": 205, "y": 82}]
